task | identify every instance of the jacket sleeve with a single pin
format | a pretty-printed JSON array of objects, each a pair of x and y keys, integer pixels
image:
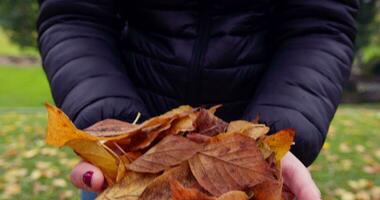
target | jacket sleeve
[
  {"x": 303, "y": 84},
  {"x": 78, "y": 41}
]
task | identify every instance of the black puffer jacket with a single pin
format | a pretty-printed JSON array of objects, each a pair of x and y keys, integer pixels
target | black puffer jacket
[{"x": 284, "y": 59}]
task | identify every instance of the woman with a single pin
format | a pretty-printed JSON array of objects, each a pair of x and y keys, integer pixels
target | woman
[{"x": 285, "y": 60}]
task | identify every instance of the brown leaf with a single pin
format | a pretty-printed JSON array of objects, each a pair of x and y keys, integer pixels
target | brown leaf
[
  {"x": 170, "y": 151},
  {"x": 198, "y": 138},
  {"x": 280, "y": 142},
  {"x": 230, "y": 162},
  {"x": 234, "y": 195},
  {"x": 183, "y": 124},
  {"x": 250, "y": 129},
  {"x": 143, "y": 135},
  {"x": 129, "y": 188},
  {"x": 208, "y": 124},
  {"x": 181, "y": 193},
  {"x": 109, "y": 128},
  {"x": 268, "y": 190},
  {"x": 159, "y": 188}
]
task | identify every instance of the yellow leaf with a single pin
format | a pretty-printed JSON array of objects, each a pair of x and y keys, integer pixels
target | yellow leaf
[
  {"x": 233, "y": 195},
  {"x": 94, "y": 153},
  {"x": 129, "y": 188},
  {"x": 247, "y": 128},
  {"x": 61, "y": 130},
  {"x": 280, "y": 142}
]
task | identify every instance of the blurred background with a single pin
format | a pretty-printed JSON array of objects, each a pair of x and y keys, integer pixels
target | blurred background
[{"x": 348, "y": 167}]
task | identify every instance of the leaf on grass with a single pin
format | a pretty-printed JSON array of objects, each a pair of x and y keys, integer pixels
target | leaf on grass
[
  {"x": 170, "y": 151},
  {"x": 208, "y": 124},
  {"x": 250, "y": 129},
  {"x": 280, "y": 142},
  {"x": 61, "y": 130},
  {"x": 129, "y": 188},
  {"x": 234, "y": 195},
  {"x": 109, "y": 128},
  {"x": 97, "y": 155},
  {"x": 160, "y": 186},
  {"x": 179, "y": 192},
  {"x": 230, "y": 162}
]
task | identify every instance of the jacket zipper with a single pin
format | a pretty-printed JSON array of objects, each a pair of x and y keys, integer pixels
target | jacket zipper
[{"x": 199, "y": 49}]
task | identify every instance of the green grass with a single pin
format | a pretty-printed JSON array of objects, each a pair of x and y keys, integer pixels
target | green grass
[
  {"x": 41, "y": 172},
  {"x": 23, "y": 87},
  {"x": 10, "y": 49}
]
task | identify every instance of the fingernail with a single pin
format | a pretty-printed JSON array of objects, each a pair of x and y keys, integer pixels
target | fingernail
[{"x": 87, "y": 178}]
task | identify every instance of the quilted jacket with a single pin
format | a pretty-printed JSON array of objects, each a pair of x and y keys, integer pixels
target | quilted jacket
[{"x": 285, "y": 60}]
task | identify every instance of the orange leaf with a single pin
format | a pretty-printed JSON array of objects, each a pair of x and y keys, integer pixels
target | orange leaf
[
  {"x": 233, "y": 195},
  {"x": 230, "y": 162},
  {"x": 96, "y": 154},
  {"x": 280, "y": 142},
  {"x": 268, "y": 190},
  {"x": 61, "y": 130},
  {"x": 129, "y": 188},
  {"x": 170, "y": 151},
  {"x": 247, "y": 128},
  {"x": 159, "y": 188},
  {"x": 181, "y": 193}
]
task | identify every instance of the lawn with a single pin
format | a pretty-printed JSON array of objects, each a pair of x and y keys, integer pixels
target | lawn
[
  {"x": 347, "y": 168},
  {"x": 23, "y": 87}
]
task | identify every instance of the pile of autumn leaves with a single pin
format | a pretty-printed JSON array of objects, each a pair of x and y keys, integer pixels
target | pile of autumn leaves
[{"x": 185, "y": 154}]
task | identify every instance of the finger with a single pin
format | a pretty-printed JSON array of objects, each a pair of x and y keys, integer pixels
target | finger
[
  {"x": 87, "y": 177},
  {"x": 298, "y": 179}
]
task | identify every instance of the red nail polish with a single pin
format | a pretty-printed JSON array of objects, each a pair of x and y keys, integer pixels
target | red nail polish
[{"x": 87, "y": 178}]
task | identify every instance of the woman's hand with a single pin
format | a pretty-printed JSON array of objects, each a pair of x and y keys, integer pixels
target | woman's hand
[{"x": 298, "y": 179}]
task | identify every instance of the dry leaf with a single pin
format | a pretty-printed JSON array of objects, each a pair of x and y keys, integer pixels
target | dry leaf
[
  {"x": 230, "y": 162},
  {"x": 208, "y": 124},
  {"x": 280, "y": 142},
  {"x": 160, "y": 187},
  {"x": 268, "y": 190},
  {"x": 129, "y": 188},
  {"x": 94, "y": 153},
  {"x": 250, "y": 129},
  {"x": 61, "y": 130},
  {"x": 170, "y": 151},
  {"x": 109, "y": 128},
  {"x": 213, "y": 109},
  {"x": 181, "y": 193},
  {"x": 234, "y": 195}
]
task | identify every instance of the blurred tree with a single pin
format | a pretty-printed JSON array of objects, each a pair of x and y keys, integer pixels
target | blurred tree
[{"x": 18, "y": 18}]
